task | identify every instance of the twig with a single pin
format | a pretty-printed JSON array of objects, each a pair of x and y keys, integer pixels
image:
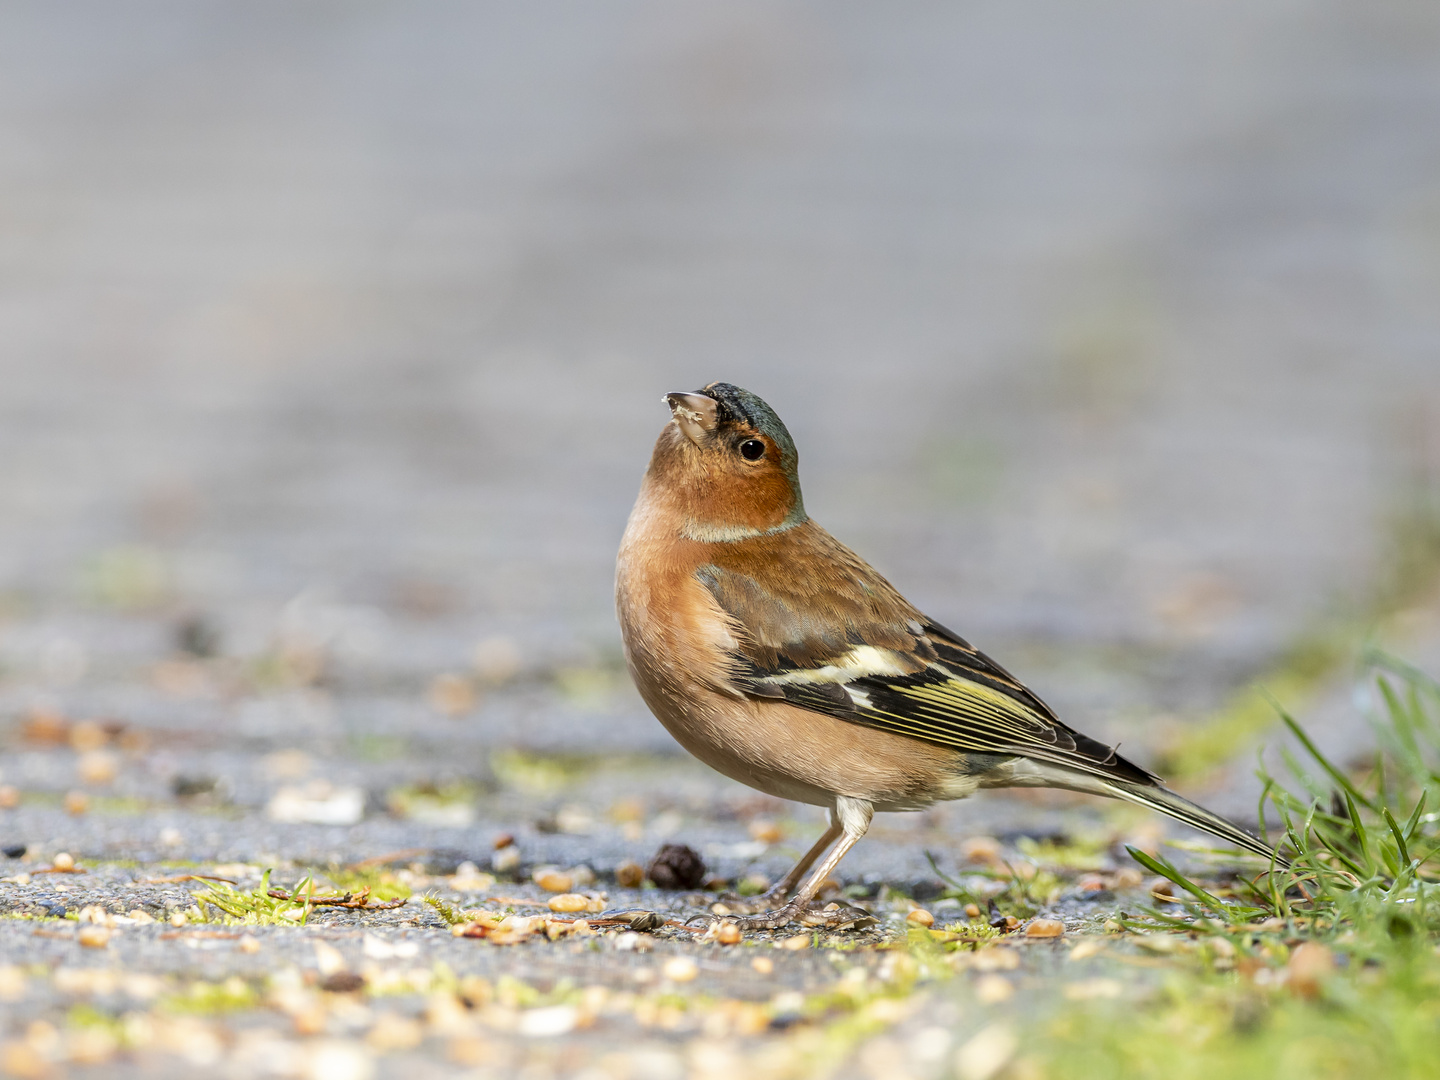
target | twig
[{"x": 349, "y": 900}]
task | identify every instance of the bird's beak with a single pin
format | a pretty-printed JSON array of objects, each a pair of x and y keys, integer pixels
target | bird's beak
[{"x": 694, "y": 414}]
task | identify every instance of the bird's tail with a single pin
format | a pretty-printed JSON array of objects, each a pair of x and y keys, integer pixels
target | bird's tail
[{"x": 1167, "y": 802}]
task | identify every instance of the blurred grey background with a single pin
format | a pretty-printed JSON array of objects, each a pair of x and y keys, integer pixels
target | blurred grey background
[{"x": 1109, "y": 332}]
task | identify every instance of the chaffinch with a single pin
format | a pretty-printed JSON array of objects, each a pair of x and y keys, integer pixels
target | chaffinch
[{"x": 779, "y": 657}]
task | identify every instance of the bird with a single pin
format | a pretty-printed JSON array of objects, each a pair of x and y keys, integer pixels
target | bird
[{"x": 780, "y": 658}]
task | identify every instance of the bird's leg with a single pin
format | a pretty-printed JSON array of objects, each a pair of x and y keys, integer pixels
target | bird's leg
[
  {"x": 776, "y": 894},
  {"x": 851, "y": 819}
]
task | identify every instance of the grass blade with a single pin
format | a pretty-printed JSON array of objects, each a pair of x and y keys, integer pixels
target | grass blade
[
  {"x": 1399, "y": 836},
  {"x": 1314, "y": 751},
  {"x": 1165, "y": 870}
]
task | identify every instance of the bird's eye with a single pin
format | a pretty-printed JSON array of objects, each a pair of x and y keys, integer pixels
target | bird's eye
[{"x": 752, "y": 449}]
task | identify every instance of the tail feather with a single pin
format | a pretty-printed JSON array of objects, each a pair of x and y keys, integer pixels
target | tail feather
[{"x": 1181, "y": 809}]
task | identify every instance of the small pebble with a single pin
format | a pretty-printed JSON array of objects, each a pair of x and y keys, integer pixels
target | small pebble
[
  {"x": 178, "y": 918},
  {"x": 629, "y": 875},
  {"x": 920, "y": 917},
  {"x": 763, "y": 965},
  {"x": 680, "y": 969},
  {"x": 799, "y": 941},
  {"x": 64, "y": 862}
]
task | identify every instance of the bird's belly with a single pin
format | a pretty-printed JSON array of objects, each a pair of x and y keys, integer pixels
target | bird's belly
[{"x": 793, "y": 753}]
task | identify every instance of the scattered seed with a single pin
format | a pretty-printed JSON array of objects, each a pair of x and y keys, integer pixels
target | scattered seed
[
  {"x": 996, "y": 960},
  {"x": 97, "y": 767},
  {"x": 343, "y": 982},
  {"x": 766, "y": 832},
  {"x": 986, "y": 1053},
  {"x": 920, "y": 917},
  {"x": 1091, "y": 989},
  {"x": 799, "y": 941},
  {"x": 629, "y": 875},
  {"x": 76, "y": 803},
  {"x": 727, "y": 933},
  {"x": 993, "y": 989},
  {"x": 248, "y": 944},
  {"x": 1127, "y": 877},
  {"x": 328, "y": 959},
  {"x": 972, "y": 911},
  {"x": 676, "y": 866},
  {"x": 569, "y": 902},
  {"x": 1045, "y": 928},
  {"x": 680, "y": 969},
  {"x": 553, "y": 880},
  {"x": 64, "y": 862},
  {"x": 1310, "y": 965},
  {"x": 94, "y": 937},
  {"x": 395, "y": 1032},
  {"x": 763, "y": 965},
  {"x": 982, "y": 849},
  {"x": 9, "y": 799},
  {"x": 1084, "y": 950},
  {"x": 451, "y": 695}
]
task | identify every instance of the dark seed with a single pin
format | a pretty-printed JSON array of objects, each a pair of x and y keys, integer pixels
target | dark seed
[
  {"x": 676, "y": 866},
  {"x": 343, "y": 982}
]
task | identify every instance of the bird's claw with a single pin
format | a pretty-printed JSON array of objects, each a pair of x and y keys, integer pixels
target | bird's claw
[{"x": 833, "y": 916}]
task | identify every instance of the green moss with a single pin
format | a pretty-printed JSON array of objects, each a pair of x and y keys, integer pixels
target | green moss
[
  {"x": 382, "y": 883},
  {"x": 213, "y": 998}
]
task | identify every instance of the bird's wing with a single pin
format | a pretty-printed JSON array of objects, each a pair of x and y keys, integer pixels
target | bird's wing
[{"x": 837, "y": 638}]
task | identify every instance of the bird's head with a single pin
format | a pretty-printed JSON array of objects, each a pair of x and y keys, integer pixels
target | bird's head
[{"x": 727, "y": 464}]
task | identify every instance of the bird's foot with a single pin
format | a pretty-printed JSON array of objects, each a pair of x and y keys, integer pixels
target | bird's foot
[
  {"x": 833, "y": 916},
  {"x": 734, "y": 904}
]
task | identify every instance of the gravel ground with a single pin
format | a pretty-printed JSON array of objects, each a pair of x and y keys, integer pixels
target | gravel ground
[{"x": 332, "y": 341}]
